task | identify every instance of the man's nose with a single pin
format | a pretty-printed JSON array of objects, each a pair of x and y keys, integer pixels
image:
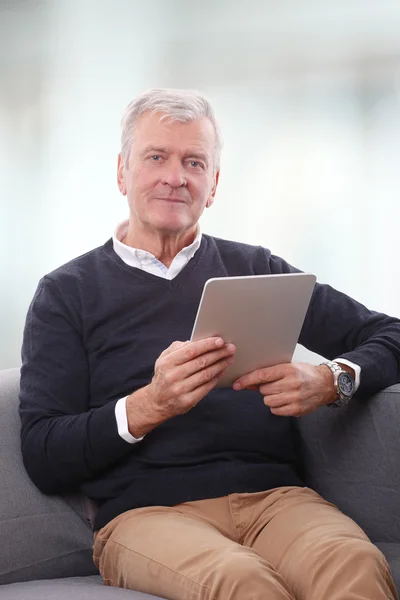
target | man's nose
[{"x": 174, "y": 175}]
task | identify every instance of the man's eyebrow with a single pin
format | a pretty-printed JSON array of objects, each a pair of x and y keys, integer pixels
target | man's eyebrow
[
  {"x": 198, "y": 155},
  {"x": 163, "y": 150},
  {"x": 155, "y": 149}
]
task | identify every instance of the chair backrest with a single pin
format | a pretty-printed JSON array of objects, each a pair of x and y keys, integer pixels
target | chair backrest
[
  {"x": 42, "y": 537},
  {"x": 351, "y": 456}
]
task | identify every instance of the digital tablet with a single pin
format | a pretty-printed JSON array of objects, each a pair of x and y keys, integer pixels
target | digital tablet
[{"x": 261, "y": 314}]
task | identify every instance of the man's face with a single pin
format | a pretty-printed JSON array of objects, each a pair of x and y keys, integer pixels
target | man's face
[{"x": 170, "y": 177}]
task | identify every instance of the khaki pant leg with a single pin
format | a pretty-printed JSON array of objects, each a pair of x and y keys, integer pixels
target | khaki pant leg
[
  {"x": 321, "y": 553},
  {"x": 166, "y": 552}
]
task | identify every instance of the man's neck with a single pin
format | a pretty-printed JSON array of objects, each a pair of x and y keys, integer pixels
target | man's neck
[{"x": 163, "y": 245}]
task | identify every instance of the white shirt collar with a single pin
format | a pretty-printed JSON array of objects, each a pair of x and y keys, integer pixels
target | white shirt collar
[{"x": 141, "y": 259}]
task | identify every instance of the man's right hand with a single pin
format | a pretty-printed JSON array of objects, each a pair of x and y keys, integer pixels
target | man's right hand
[{"x": 183, "y": 374}]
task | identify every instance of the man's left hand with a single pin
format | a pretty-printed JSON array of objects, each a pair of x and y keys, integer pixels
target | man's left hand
[{"x": 292, "y": 389}]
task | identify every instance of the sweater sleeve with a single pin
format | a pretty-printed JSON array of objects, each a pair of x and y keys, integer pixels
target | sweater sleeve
[
  {"x": 63, "y": 441},
  {"x": 338, "y": 326}
]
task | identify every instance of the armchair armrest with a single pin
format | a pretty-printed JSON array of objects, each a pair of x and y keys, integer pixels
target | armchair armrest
[{"x": 351, "y": 456}]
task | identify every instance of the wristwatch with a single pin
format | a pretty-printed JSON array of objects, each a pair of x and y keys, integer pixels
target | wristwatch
[{"x": 343, "y": 382}]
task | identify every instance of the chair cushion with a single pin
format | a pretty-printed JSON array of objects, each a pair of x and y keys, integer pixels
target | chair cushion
[
  {"x": 82, "y": 588},
  {"x": 42, "y": 537},
  {"x": 392, "y": 553},
  {"x": 351, "y": 456}
]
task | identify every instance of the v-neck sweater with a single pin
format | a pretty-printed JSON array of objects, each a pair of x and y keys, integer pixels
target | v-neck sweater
[{"x": 93, "y": 333}]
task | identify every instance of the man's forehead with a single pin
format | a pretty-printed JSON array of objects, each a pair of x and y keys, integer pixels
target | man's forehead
[{"x": 159, "y": 126}]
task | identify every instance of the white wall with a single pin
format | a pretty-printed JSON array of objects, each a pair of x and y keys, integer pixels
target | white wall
[{"x": 308, "y": 96}]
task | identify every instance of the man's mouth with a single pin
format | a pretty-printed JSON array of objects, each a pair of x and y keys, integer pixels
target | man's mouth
[{"x": 172, "y": 199}]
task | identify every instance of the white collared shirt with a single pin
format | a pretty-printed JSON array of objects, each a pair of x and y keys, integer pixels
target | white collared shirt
[
  {"x": 141, "y": 259},
  {"x": 146, "y": 261}
]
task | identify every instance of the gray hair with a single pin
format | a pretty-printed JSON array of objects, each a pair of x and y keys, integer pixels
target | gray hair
[{"x": 178, "y": 105}]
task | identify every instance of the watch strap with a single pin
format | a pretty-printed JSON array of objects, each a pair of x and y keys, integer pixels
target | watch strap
[{"x": 341, "y": 399}]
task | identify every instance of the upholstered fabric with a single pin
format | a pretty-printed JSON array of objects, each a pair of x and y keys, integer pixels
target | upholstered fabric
[
  {"x": 351, "y": 456},
  {"x": 392, "y": 553},
  {"x": 81, "y": 588},
  {"x": 42, "y": 536}
]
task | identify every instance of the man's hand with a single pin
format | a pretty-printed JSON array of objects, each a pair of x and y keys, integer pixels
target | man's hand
[
  {"x": 292, "y": 389},
  {"x": 183, "y": 374}
]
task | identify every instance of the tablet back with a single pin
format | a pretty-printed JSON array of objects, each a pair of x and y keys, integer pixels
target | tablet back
[{"x": 261, "y": 314}]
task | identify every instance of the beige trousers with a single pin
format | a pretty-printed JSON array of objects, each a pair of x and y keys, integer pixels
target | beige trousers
[{"x": 283, "y": 544}]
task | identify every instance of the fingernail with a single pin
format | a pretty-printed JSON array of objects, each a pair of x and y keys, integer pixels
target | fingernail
[
  {"x": 236, "y": 386},
  {"x": 231, "y": 347},
  {"x": 219, "y": 342}
]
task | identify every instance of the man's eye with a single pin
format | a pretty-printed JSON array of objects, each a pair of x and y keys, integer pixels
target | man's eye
[
  {"x": 195, "y": 163},
  {"x": 155, "y": 157}
]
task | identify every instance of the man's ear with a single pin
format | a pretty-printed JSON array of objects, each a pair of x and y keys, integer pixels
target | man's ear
[
  {"x": 121, "y": 175},
  {"x": 211, "y": 197}
]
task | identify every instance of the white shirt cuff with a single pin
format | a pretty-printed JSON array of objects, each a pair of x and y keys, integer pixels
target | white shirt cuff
[
  {"x": 122, "y": 422},
  {"x": 356, "y": 369}
]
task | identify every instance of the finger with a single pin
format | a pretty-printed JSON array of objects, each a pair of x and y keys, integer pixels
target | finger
[
  {"x": 280, "y": 386},
  {"x": 198, "y": 393},
  {"x": 205, "y": 360},
  {"x": 190, "y": 351},
  {"x": 286, "y": 405},
  {"x": 290, "y": 410},
  {"x": 202, "y": 377},
  {"x": 174, "y": 346},
  {"x": 285, "y": 411},
  {"x": 265, "y": 375},
  {"x": 277, "y": 400}
]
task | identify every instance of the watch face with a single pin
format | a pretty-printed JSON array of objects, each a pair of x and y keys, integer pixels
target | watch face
[{"x": 345, "y": 384}]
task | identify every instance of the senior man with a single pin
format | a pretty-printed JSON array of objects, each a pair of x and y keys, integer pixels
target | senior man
[{"x": 197, "y": 488}]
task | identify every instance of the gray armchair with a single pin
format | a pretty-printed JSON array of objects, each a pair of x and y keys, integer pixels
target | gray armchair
[{"x": 351, "y": 456}]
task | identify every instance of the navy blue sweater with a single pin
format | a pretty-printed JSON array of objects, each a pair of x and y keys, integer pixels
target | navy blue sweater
[{"x": 93, "y": 332}]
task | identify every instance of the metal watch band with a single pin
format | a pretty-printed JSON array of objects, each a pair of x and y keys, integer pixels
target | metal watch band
[
  {"x": 333, "y": 366},
  {"x": 336, "y": 369}
]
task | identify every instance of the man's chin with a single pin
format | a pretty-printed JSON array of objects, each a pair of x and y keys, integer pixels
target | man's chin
[{"x": 173, "y": 226}]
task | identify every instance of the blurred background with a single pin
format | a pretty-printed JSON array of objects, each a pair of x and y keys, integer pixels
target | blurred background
[{"x": 308, "y": 96}]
